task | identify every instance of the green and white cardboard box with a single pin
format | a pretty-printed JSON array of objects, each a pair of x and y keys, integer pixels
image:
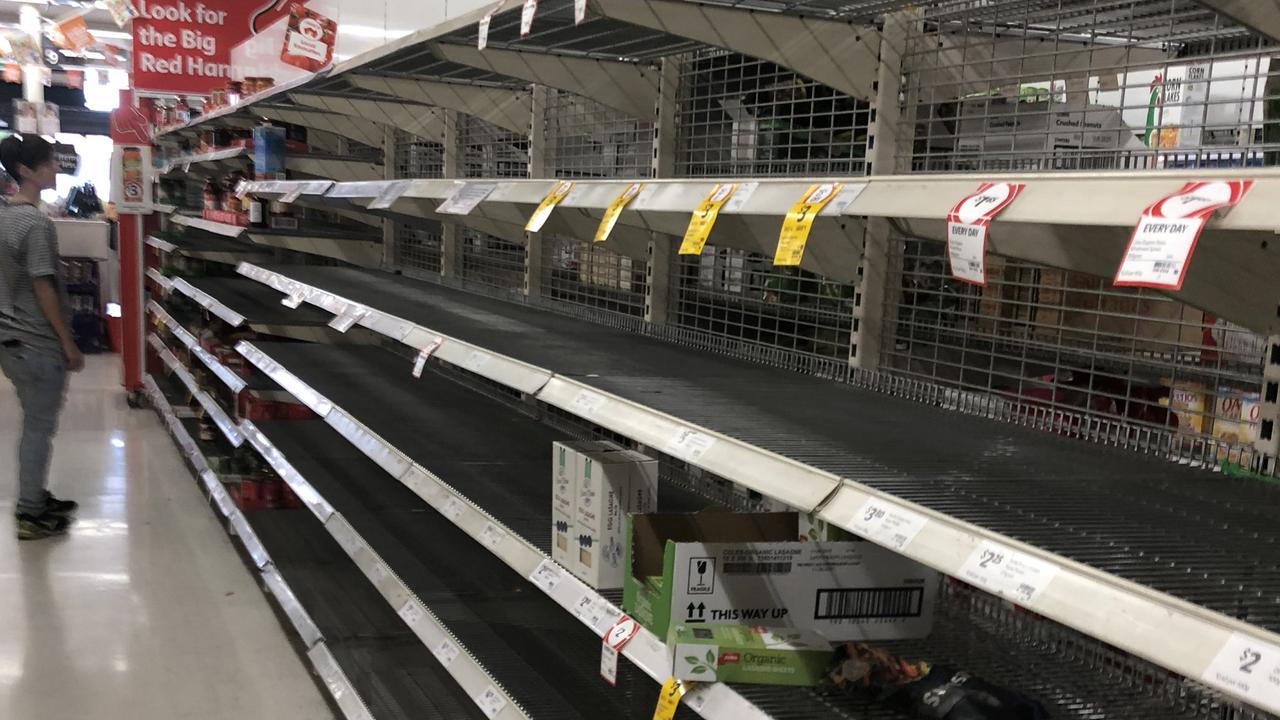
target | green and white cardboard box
[
  {"x": 565, "y": 467},
  {"x": 749, "y": 654},
  {"x": 721, "y": 567},
  {"x": 611, "y": 484}
]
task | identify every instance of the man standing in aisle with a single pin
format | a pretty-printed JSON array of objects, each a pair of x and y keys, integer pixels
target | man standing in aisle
[{"x": 37, "y": 349}]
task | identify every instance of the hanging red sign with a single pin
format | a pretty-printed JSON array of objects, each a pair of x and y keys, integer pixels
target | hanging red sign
[
  {"x": 1161, "y": 246},
  {"x": 967, "y": 229},
  {"x": 310, "y": 39}
]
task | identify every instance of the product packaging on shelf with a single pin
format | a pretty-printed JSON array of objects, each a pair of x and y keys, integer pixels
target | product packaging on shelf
[
  {"x": 564, "y": 493},
  {"x": 268, "y": 152},
  {"x": 611, "y": 484},
  {"x": 749, "y": 654},
  {"x": 720, "y": 567}
]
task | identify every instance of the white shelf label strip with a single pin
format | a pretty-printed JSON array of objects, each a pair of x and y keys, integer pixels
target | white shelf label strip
[
  {"x": 1007, "y": 572},
  {"x": 888, "y": 523}
]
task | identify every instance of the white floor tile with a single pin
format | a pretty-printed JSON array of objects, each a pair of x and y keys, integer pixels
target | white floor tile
[{"x": 144, "y": 611}]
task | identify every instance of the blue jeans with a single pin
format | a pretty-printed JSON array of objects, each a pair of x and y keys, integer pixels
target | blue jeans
[{"x": 41, "y": 382}]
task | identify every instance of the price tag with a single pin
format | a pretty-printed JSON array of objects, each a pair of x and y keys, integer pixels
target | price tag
[
  {"x": 379, "y": 573},
  {"x": 615, "y": 209},
  {"x": 704, "y": 219},
  {"x": 587, "y": 404},
  {"x": 348, "y": 319},
  {"x": 1166, "y": 236},
  {"x": 669, "y": 699},
  {"x": 526, "y": 17},
  {"x": 689, "y": 445},
  {"x": 579, "y": 11},
  {"x": 293, "y": 301},
  {"x": 491, "y": 702},
  {"x": 483, "y": 40},
  {"x": 1248, "y": 668},
  {"x": 547, "y": 576},
  {"x": 967, "y": 229},
  {"x": 741, "y": 197},
  {"x": 452, "y": 508},
  {"x": 466, "y": 198},
  {"x": 492, "y": 535},
  {"x": 1007, "y": 572},
  {"x": 446, "y": 652},
  {"x": 888, "y": 523},
  {"x": 799, "y": 223},
  {"x": 411, "y": 613},
  {"x": 614, "y": 640},
  {"x": 608, "y": 664},
  {"x": 242, "y": 189},
  {"x": 421, "y": 363},
  {"x": 292, "y": 196},
  {"x": 390, "y": 193},
  {"x": 548, "y": 206}
]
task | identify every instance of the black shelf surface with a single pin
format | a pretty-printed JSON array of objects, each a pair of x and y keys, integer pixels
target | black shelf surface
[
  {"x": 389, "y": 667},
  {"x": 499, "y": 460},
  {"x": 1208, "y": 539},
  {"x": 257, "y": 303}
]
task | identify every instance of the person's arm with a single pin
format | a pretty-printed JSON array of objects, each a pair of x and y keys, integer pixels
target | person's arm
[{"x": 46, "y": 291}]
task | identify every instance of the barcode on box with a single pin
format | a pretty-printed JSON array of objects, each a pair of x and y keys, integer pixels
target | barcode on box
[
  {"x": 860, "y": 603},
  {"x": 756, "y": 568}
]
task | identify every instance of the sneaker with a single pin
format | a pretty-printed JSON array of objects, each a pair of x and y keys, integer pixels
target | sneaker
[
  {"x": 59, "y": 507},
  {"x": 44, "y": 525}
]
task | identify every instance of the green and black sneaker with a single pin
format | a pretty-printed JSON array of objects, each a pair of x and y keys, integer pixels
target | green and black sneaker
[
  {"x": 59, "y": 507},
  {"x": 44, "y": 525}
]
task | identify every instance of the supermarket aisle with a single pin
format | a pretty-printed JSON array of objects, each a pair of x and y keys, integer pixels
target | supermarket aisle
[{"x": 144, "y": 611}]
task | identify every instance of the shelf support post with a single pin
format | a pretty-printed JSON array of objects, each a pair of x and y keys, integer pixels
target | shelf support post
[
  {"x": 872, "y": 299},
  {"x": 389, "y": 169},
  {"x": 661, "y": 254},
  {"x": 540, "y": 166},
  {"x": 450, "y": 233}
]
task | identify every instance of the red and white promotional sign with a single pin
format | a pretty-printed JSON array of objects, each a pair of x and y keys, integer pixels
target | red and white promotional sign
[
  {"x": 485, "y": 22},
  {"x": 1166, "y": 236},
  {"x": 967, "y": 229},
  {"x": 614, "y": 640},
  {"x": 526, "y": 17},
  {"x": 310, "y": 39},
  {"x": 184, "y": 46}
]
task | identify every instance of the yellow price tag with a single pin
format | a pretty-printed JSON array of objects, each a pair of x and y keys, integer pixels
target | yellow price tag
[
  {"x": 615, "y": 209},
  {"x": 669, "y": 699},
  {"x": 543, "y": 213},
  {"x": 704, "y": 218},
  {"x": 799, "y": 222}
]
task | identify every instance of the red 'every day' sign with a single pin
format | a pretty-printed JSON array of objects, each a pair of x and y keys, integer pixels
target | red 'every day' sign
[{"x": 184, "y": 46}]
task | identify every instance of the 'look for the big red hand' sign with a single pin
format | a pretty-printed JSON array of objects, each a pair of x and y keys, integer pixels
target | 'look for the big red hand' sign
[
  {"x": 1161, "y": 246},
  {"x": 967, "y": 229}
]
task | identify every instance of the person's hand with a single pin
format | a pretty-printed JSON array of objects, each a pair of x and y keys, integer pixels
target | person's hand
[{"x": 75, "y": 358}]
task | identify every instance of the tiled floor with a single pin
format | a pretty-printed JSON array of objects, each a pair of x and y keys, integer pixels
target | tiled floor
[{"x": 145, "y": 611}]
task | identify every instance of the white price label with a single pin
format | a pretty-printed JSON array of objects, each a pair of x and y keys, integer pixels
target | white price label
[
  {"x": 492, "y": 535},
  {"x": 411, "y": 613},
  {"x": 579, "y": 11},
  {"x": 491, "y": 702},
  {"x": 689, "y": 445},
  {"x": 1014, "y": 575},
  {"x": 967, "y": 250},
  {"x": 446, "y": 652},
  {"x": 420, "y": 364},
  {"x": 293, "y": 301},
  {"x": 621, "y": 633},
  {"x": 466, "y": 199},
  {"x": 587, "y": 404},
  {"x": 547, "y": 576},
  {"x": 1248, "y": 668},
  {"x": 292, "y": 196},
  {"x": 887, "y": 523},
  {"x": 348, "y": 319},
  {"x": 452, "y": 508},
  {"x": 526, "y": 17},
  {"x": 1159, "y": 251},
  {"x": 379, "y": 573},
  {"x": 741, "y": 197},
  {"x": 390, "y": 194},
  {"x": 608, "y": 664},
  {"x": 483, "y": 37}
]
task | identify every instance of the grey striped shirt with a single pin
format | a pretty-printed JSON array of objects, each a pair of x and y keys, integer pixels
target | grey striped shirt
[{"x": 28, "y": 249}]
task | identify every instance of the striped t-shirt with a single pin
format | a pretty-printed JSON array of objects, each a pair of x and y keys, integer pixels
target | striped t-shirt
[{"x": 28, "y": 249}]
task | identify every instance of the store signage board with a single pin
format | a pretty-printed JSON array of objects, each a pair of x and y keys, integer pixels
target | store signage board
[
  {"x": 704, "y": 219},
  {"x": 967, "y": 229},
  {"x": 540, "y": 216},
  {"x": 184, "y": 46},
  {"x": 1161, "y": 246},
  {"x": 799, "y": 223},
  {"x": 611, "y": 213},
  {"x": 466, "y": 199},
  {"x": 309, "y": 39}
]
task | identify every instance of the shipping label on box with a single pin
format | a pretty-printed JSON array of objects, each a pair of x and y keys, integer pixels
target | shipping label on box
[
  {"x": 749, "y": 654},
  {"x": 843, "y": 590},
  {"x": 611, "y": 485}
]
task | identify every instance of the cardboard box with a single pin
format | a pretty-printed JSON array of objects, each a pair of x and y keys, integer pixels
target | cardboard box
[
  {"x": 611, "y": 485},
  {"x": 719, "y": 567},
  {"x": 564, "y": 492},
  {"x": 749, "y": 654}
]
